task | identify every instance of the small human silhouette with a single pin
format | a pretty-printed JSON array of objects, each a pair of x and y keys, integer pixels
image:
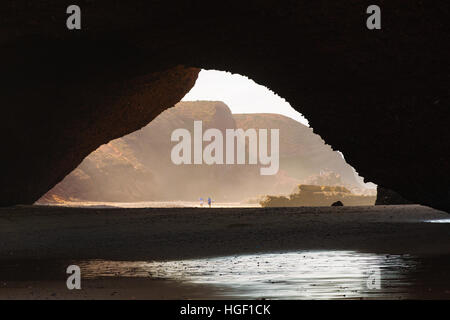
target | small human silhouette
[{"x": 209, "y": 202}]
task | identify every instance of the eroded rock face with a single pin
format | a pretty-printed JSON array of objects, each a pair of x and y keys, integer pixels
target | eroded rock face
[
  {"x": 51, "y": 138},
  {"x": 381, "y": 97}
]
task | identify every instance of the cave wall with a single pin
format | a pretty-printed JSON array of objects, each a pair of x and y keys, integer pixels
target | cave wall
[
  {"x": 53, "y": 129},
  {"x": 380, "y": 96},
  {"x": 389, "y": 197}
]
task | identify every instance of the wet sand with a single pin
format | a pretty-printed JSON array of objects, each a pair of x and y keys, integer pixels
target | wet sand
[
  {"x": 33, "y": 236},
  {"x": 106, "y": 289}
]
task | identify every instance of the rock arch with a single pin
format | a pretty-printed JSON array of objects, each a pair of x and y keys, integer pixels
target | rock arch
[{"x": 379, "y": 96}]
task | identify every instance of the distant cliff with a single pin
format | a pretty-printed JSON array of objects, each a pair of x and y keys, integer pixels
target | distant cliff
[
  {"x": 303, "y": 154},
  {"x": 137, "y": 167}
]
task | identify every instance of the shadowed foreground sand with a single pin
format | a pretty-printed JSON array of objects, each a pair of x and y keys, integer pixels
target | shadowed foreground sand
[{"x": 33, "y": 236}]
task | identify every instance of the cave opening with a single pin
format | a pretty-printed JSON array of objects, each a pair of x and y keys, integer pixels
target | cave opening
[
  {"x": 138, "y": 169},
  {"x": 89, "y": 114}
]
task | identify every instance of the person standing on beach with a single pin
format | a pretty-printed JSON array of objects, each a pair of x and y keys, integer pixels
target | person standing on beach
[{"x": 209, "y": 201}]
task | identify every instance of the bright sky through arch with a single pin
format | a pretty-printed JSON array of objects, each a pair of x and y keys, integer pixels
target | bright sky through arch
[{"x": 241, "y": 94}]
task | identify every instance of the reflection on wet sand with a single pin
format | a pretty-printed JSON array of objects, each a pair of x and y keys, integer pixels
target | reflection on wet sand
[
  {"x": 169, "y": 252},
  {"x": 438, "y": 221},
  {"x": 292, "y": 275}
]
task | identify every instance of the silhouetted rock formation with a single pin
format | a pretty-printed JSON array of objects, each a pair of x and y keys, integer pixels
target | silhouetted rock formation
[
  {"x": 311, "y": 195},
  {"x": 137, "y": 167},
  {"x": 389, "y": 197},
  {"x": 337, "y": 204},
  {"x": 381, "y": 97}
]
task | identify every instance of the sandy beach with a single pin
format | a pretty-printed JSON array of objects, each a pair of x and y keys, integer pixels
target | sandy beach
[{"x": 37, "y": 241}]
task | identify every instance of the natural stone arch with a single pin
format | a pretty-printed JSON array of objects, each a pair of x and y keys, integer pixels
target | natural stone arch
[{"x": 378, "y": 96}]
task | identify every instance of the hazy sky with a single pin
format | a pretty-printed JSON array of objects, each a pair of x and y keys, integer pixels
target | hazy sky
[{"x": 241, "y": 94}]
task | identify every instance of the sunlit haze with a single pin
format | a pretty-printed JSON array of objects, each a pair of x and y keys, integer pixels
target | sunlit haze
[{"x": 241, "y": 94}]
